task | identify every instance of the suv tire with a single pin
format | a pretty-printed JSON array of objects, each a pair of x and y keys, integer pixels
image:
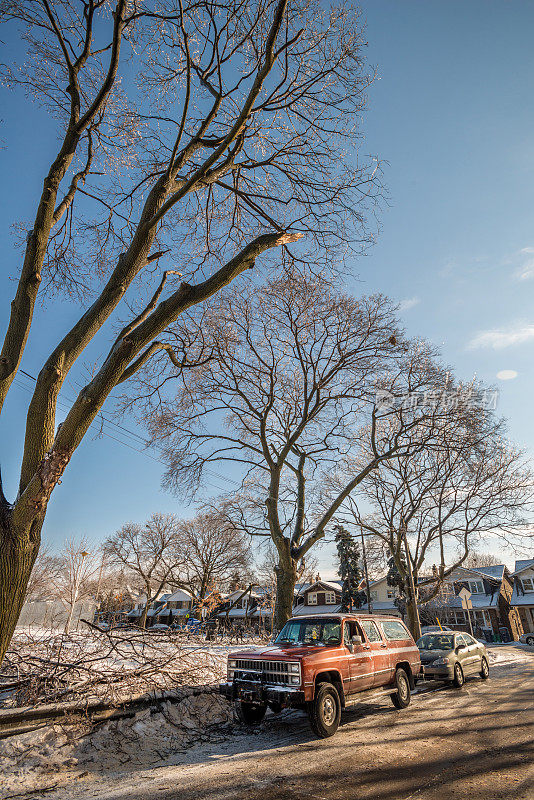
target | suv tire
[
  {"x": 530, "y": 640},
  {"x": 458, "y": 679},
  {"x": 248, "y": 713},
  {"x": 484, "y": 668},
  {"x": 324, "y": 712},
  {"x": 402, "y": 697}
]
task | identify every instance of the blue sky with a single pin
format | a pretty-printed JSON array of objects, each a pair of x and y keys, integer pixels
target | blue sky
[{"x": 451, "y": 112}]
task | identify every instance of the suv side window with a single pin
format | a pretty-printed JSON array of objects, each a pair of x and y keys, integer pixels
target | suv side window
[
  {"x": 461, "y": 639},
  {"x": 373, "y": 634},
  {"x": 394, "y": 630},
  {"x": 350, "y": 629},
  {"x": 469, "y": 639}
]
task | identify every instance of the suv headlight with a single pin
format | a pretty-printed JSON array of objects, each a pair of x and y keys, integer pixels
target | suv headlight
[
  {"x": 232, "y": 663},
  {"x": 441, "y": 662},
  {"x": 295, "y": 680},
  {"x": 295, "y": 668}
]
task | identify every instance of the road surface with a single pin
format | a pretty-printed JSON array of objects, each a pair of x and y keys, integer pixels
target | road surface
[{"x": 476, "y": 743}]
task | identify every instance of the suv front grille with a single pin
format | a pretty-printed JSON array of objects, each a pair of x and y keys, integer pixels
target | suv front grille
[{"x": 272, "y": 671}]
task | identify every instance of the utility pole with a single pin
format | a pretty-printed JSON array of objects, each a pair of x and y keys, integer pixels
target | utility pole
[
  {"x": 366, "y": 573},
  {"x": 416, "y": 633}
]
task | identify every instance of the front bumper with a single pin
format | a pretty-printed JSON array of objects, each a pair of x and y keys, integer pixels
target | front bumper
[
  {"x": 253, "y": 692},
  {"x": 441, "y": 673}
]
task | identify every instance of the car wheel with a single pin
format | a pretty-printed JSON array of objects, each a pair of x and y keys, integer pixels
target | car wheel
[
  {"x": 324, "y": 712},
  {"x": 484, "y": 668},
  {"x": 248, "y": 713},
  {"x": 458, "y": 679},
  {"x": 402, "y": 696},
  {"x": 530, "y": 640}
]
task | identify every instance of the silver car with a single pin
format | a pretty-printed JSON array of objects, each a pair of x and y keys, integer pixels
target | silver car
[
  {"x": 527, "y": 638},
  {"x": 449, "y": 656}
]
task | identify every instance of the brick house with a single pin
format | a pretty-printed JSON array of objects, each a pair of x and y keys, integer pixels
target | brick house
[
  {"x": 523, "y": 593},
  {"x": 320, "y": 597},
  {"x": 491, "y": 594}
]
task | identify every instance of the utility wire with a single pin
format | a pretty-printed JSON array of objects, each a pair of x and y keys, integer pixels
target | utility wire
[{"x": 102, "y": 421}]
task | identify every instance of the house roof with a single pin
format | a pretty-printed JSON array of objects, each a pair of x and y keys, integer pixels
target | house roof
[
  {"x": 179, "y": 594},
  {"x": 332, "y": 585},
  {"x": 496, "y": 572},
  {"x": 380, "y": 605},
  {"x": 522, "y": 565},
  {"x": 306, "y": 611},
  {"x": 517, "y": 599}
]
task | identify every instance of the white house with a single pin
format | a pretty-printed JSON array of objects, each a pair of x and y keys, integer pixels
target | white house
[
  {"x": 523, "y": 593},
  {"x": 382, "y": 597}
]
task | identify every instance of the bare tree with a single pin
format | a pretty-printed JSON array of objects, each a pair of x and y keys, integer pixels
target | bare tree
[
  {"x": 77, "y": 567},
  {"x": 288, "y": 394},
  {"x": 213, "y": 550},
  {"x": 477, "y": 558},
  {"x": 44, "y": 576},
  {"x": 435, "y": 503},
  {"x": 151, "y": 554},
  {"x": 228, "y": 140}
]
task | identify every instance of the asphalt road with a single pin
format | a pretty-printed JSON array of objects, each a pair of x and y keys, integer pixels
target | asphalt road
[{"x": 476, "y": 743}]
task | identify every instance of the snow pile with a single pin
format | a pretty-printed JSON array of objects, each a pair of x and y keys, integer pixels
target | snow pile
[{"x": 56, "y": 754}]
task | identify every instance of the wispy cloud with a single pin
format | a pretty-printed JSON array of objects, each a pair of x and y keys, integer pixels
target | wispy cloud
[
  {"x": 409, "y": 302},
  {"x": 507, "y": 374},
  {"x": 526, "y": 270},
  {"x": 499, "y": 338}
]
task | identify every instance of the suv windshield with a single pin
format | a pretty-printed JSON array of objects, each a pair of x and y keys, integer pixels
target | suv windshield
[
  {"x": 310, "y": 631},
  {"x": 436, "y": 641}
]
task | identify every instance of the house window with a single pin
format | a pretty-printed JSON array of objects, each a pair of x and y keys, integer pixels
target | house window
[
  {"x": 391, "y": 594},
  {"x": 312, "y": 599},
  {"x": 528, "y": 584},
  {"x": 476, "y": 587},
  {"x": 329, "y": 598}
]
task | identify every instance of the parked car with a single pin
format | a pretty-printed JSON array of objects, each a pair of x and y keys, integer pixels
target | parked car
[
  {"x": 527, "y": 638},
  {"x": 449, "y": 656},
  {"x": 159, "y": 626},
  {"x": 321, "y": 664},
  {"x": 434, "y": 628}
]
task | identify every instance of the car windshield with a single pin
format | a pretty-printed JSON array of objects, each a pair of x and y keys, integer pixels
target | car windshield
[
  {"x": 436, "y": 641},
  {"x": 310, "y": 632}
]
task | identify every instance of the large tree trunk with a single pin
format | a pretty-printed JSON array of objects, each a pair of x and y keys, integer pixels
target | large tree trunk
[
  {"x": 286, "y": 577},
  {"x": 18, "y": 551},
  {"x": 412, "y": 618}
]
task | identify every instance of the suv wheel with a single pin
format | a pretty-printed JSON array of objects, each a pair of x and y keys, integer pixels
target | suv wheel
[
  {"x": 530, "y": 640},
  {"x": 325, "y": 711},
  {"x": 484, "y": 668},
  {"x": 458, "y": 679},
  {"x": 402, "y": 696},
  {"x": 248, "y": 713}
]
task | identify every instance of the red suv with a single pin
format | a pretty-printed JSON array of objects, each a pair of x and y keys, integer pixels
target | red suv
[{"x": 323, "y": 663}]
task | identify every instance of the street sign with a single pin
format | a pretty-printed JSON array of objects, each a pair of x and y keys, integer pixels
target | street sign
[{"x": 465, "y": 596}]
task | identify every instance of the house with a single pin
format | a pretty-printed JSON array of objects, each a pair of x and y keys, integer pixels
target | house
[
  {"x": 491, "y": 593},
  {"x": 319, "y": 597},
  {"x": 135, "y": 614},
  {"x": 382, "y": 597},
  {"x": 237, "y": 608},
  {"x": 176, "y": 605},
  {"x": 523, "y": 593}
]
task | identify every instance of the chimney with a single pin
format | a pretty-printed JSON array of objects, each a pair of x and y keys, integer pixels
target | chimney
[{"x": 317, "y": 578}]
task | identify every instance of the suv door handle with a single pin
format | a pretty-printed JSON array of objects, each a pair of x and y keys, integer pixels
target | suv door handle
[
  {"x": 367, "y": 647},
  {"x": 383, "y": 644}
]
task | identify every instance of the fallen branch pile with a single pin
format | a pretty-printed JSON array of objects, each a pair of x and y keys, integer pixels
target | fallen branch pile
[{"x": 112, "y": 667}]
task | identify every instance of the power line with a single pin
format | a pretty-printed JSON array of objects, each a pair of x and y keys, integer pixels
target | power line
[{"x": 65, "y": 404}]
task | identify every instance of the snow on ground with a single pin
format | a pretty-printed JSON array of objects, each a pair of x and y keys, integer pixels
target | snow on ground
[{"x": 61, "y": 754}]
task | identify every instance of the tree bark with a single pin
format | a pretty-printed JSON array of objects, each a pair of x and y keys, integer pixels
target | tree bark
[
  {"x": 286, "y": 578},
  {"x": 17, "y": 556},
  {"x": 412, "y": 618}
]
